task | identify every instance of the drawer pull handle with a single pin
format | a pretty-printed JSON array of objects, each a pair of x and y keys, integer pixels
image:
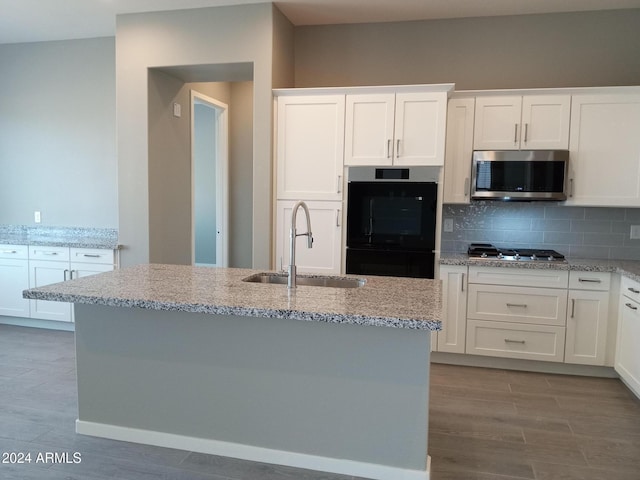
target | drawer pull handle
[
  {"x": 508, "y": 340},
  {"x": 9, "y": 251},
  {"x": 521, "y": 305},
  {"x": 590, "y": 280},
  {"x": 633, "y": 290},
  {"x": 632, "y": 307},
  {"x": 50, "y": 253},
  {"x": 91, "y": 255}
]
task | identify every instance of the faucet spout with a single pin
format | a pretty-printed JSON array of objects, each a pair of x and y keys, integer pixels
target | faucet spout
[{"x": 291, "y": 283}]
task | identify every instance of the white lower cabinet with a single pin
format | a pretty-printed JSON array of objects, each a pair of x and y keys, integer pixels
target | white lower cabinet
[
  {"x": 516, "y": 340},
  {"x": 627, "y": 359},
  {"x": 587, "y": 318},
  {"x": 517, "y": 313},
  {"x": 454, "y": 309},
  {"x": 14, "y": 278},
  {"x": 49, "y": 265},
  {"x": 325, "y": 257}
]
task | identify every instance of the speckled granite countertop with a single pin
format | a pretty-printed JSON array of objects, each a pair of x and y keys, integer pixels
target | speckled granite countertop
[
  {"x": 627, "y": 268},
  {"x": 383, "y": 301},
  {"x": 59, "y": 236}
]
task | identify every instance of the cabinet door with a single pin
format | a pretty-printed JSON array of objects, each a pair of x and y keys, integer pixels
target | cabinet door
[
  {"x": 325, "y": 257},
  {"x": 586, "y": 327},
  {"x": 79, "y": 270},
  {"x": 497, "y": 123},
  {"x": 627, "y": 362},
  {"x": 14, "y": 278},
  {"x": 604, "y": 148},
  {"x": 459, "y": 150},
  {"x": 454, "y": 309},
  {"x": 420, "y": 124},
  {"x": 45, "y": 273},
  {"x": 369, "y": 129},
  {"x": 545, "y": 122},
  {"x": 310, "y": 147}
]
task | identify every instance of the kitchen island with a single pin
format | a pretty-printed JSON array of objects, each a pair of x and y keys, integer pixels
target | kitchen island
[{"x": 331, "y": 379}]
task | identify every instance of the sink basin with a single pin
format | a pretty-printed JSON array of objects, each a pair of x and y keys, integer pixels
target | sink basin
[{"x": 304, "y": 280}]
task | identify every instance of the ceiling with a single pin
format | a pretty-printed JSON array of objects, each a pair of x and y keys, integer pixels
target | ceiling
[{"x": 44, "y": 20}]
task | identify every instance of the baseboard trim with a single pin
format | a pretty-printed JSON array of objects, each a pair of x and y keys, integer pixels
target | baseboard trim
[
  {"x": 37, "y": 323},
  {"x": 469, "y": 360},
  {"x": 248, "y": 452}
]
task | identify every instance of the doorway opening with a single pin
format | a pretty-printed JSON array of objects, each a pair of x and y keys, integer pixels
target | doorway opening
[{"x": 209, "y": 180}]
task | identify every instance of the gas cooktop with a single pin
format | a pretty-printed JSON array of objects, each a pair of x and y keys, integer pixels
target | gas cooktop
[{"x": 488, "y": 251}]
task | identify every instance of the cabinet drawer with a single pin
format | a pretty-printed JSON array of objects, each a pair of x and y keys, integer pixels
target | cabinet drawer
[
  {"x": 527, "y": 277},
  {"x": 20, "y": 252},
  {"x": 501, "y": 339},
  {"x": 92, "y": 255},
  {"x": 59, "y": 254},
  {"x": 545, "y": 306},
  {"x": 630, "y": 288},
  {"x": 579, "y": 280}
]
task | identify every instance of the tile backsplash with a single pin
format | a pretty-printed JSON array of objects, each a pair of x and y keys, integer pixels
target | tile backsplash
[{"x": 578, "y": 232}]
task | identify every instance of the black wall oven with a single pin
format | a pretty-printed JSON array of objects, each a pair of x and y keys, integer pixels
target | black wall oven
[{"x": 391, "y": 221}]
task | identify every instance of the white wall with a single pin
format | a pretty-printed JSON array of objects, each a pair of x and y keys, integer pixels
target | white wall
[{"x": 57, "y": 133}]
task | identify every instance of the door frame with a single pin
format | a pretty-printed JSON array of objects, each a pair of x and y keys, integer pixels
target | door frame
[{"x": 222, "y": 177}]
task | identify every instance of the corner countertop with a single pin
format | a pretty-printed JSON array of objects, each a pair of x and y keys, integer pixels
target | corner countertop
[
  {"x": 75, "y": 237},
  {"x": 383, "y": 301},
  {"x": 627, "y": 268}
]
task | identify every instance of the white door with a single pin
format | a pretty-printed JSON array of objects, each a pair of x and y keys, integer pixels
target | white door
[
  {"x": 45, "y": 273},
  {"x": 369, "y": 129},
  {"x": 545, "y": 122},
  {"x": 310, "y": 147},
  {"x": 586, "y": 339},
  {"x": 326, "y": 225},
  {"x": 209, "y": 167},
  {"x": 452, "y": 337},
  {"x": 14, "y": 278},
  {"x": 497, "y": 123},
  {"x": 627, "y": 362},
  {"x": 604, "y": 149},
  {"x": 459, "y": 150},
  {"x": 420, "y": 124}
]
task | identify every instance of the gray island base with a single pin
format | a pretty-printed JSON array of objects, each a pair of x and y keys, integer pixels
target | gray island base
[{"x": 330, "y": 395}]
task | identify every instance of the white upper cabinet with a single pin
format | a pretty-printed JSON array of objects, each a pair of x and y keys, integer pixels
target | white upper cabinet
[
  {"x": 459, "y": 149},
  {"x": 369, "y": 129},
  {"x": 310, "y": 147},
  {"x": 604, "y": 165},
  {"x": 534, "y": 122},
  {"x": 404, "y": 128}
]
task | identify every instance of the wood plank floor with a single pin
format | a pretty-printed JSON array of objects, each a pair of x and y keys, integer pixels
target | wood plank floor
[{"x": 485, "y": 424}]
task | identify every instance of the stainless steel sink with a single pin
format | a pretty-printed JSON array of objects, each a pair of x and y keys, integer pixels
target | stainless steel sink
[{"x": 317, "y": 281}]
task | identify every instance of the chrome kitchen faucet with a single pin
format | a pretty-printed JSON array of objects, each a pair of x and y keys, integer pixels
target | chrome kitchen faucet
[{"x": 292, "y": 241}]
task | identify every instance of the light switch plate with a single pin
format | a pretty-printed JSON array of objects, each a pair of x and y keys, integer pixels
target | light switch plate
[
  {"x": 36, "y": 217},
  {"x": 635, "y": 232},
  {"x": 448, "y": 225}
]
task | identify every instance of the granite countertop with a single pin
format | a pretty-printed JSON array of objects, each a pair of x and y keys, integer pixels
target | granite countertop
[
  {"x": 59, "y": 236},
  {"x": 627, "y": 268},
  {"x": 383, "y": 301}
]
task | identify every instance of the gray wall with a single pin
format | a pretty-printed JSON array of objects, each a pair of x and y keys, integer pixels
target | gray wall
[
  {"x": 555, "y": 50},
  {"x": 579, "y": 232},
  {"x": 57, "y": 133},
  {"x": 206, "y": 36}
]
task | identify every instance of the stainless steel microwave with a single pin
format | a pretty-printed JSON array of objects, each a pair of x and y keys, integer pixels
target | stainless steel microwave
[{"x": 523, "y": 175}]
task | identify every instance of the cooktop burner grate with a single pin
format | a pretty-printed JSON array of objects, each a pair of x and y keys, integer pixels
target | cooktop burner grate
[{"x": 488, "y": 251}]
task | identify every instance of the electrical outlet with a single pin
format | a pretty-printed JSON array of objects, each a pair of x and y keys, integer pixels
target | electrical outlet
[
  {"x": 36, "y": 217},
  {"x": 177, "y": 110},
  {"x": 448, "y": 225},
  {"x": 635, "y": 232}
]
